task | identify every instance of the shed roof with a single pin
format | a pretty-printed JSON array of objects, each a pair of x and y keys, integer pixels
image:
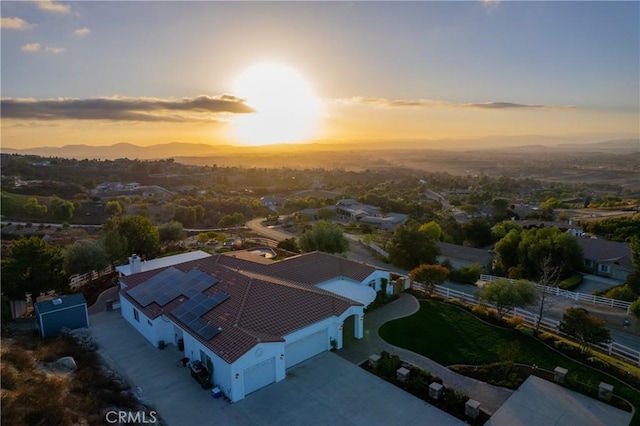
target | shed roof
[{"x": 60, "y": 303}]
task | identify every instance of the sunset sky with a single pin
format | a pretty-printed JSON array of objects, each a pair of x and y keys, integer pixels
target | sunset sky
[{"x": 99, "y": 73}]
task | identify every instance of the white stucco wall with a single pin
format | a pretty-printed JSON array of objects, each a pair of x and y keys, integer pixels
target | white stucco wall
[
  {"x": 377, "y": 277},
  {"x": 149, "y": 331}
]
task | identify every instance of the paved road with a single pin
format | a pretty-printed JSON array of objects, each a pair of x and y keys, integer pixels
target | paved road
[{"x": 273, "y": 233}]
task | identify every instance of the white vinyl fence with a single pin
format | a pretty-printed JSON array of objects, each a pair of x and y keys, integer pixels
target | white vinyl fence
[
  {"x": 614, "y": 349},
  {"x": 556, "y": 291}
]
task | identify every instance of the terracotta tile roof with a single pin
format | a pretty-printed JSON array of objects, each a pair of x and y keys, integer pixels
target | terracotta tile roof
[
  {"x": 265, "y": 304},
  {"x": 317, "y": 267}
]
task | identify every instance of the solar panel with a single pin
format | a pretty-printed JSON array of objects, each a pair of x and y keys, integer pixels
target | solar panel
[
  {"x": 187, "y": 317},
  {"x": 199, "y": 310},
  {"x": 197, "y": 324},
  {"x": 209, "y": 332}
]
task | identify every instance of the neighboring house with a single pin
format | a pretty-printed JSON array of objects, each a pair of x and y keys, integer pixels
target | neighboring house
[
  {"x": 272, "y": 201},
  {"x": 387, "y": 223},
  {"x": 247, "y": 318},
  {"x": 65, "y": 311},
  {"x": 606, "y": 258},
  {"x": 462, "y": 256},
  {"x": 349, "y": 209}
]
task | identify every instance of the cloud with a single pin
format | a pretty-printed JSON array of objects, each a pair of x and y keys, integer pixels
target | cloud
[
  {"x": 15, "y": 24},
  {"x": 82, "y": 31},
  {"x": 489, "y": 5},
  {"x": 31, "y": 47},
  {"x": 501, "y": 105},
  {"x": 196, "y": 109},
  {"x": 431, "y": 103},
  {"x": 50, "y": 6},
  {"x": 55, "y": 50},
  {"x": 37, "y": 47}
]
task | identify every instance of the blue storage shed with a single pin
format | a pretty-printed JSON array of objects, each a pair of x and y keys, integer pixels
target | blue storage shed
[{"x": 65, "y": 311}]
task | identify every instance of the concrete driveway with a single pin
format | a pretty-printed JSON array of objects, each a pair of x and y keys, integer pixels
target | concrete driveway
[{"x": 324, "y": 390}]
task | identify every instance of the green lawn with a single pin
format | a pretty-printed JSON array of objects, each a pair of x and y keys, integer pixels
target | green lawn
[{"x": 450, "y": 335}]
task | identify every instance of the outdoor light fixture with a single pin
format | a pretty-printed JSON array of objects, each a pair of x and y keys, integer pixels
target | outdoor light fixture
[
  {"x": 281, "y": 356},
  {"x": 237, "y": 375}
]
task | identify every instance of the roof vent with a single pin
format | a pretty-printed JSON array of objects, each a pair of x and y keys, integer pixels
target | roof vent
[{"x": 57, "y": 301}]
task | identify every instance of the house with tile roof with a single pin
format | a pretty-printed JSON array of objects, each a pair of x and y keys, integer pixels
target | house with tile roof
[
  {"x": 606, "y": 258},
  {"x": 248, "y": 321}
]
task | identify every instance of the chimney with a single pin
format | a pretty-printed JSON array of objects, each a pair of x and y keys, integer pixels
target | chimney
[{"x": 136, "y": 264}]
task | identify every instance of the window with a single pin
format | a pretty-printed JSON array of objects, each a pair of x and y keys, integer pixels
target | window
[
  {"x": 588, "y": 263},
  {"x": 150, "y": 323},
  {"x": 372, "y": 284},
  {"x": 136, "y": 316},
  {"x": 603, "y": 268}
]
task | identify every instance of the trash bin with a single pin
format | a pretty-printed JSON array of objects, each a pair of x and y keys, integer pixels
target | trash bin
[
  {"x": 160, "y": 344},
  {"x": 181, "y": 344},
  {"x": 109, "y": 305},
  {"x": 205, "y": 382}
]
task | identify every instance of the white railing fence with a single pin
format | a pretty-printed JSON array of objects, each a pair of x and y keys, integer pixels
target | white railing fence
[
  {"x": 79, "y": 280},
  {"x": 614, "y": 349},
  {"x": 556, "y": 291}
]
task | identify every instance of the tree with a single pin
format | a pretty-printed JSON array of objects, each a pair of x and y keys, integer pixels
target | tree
[
  {"x": 289, "y": 244},
  {"x": 585, "y": 328},
  {"x": 549, "y": 277},
  {"x": 33, "y": 208},
  {"x": 185, "y": 215},
  {"x": 477, "y": 232},
  {"x": 324, "y": 236},
  {"x": 409, "y": 247},
  {"x": 429, "y": 275},
  {"x": 135, "y": 233},
  {"x": 115, "y": 245},
  {"x": 32, "y": 266},
  {"x": 113, "y": 207},
  {"x": 171, "y": 231},
  {"x": 326, "y": 214},
  {"x": 507, "y": 296},
  {"x": 85, "y": 256},
  {"x": 525, "y": 250},
  {"x": 61, "y": 209},
  {"x": 635, "y": 308},
  {"x": 432, "y": 230}
]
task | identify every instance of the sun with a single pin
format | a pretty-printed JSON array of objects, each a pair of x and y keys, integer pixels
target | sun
[{"x": 286, "y": 106}]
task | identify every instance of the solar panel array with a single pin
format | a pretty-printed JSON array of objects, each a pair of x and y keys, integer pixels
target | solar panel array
[
  {"x": 162, "y": 288},
  {"x": 190, "y": 312}
]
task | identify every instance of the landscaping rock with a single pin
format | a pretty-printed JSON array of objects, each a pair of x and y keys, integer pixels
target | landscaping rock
[{"x": 68, "y": 362}]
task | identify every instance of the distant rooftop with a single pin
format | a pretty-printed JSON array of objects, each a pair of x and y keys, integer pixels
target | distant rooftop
[{"x": 162, "y": 262}]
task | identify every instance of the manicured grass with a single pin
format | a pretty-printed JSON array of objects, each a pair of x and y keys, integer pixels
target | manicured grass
[{"x": 449, "y": 335}]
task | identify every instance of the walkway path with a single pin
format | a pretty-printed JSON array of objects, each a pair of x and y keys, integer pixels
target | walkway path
[
  {"x": 491, "y": 397},
  {"x": 101, "y": 301}
]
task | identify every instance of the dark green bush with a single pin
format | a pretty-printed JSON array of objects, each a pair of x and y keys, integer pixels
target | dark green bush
[{"x": 572, "y": 282}]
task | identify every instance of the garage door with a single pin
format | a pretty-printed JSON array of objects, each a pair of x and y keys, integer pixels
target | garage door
[
  {"x": 305, "y": 348},
  {"x": 259, "y": 375}
]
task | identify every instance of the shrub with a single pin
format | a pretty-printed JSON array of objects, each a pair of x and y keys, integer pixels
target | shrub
[
  {"x": 388, "y": 365},
  {"x": 515, "y": 321},
  {"x": 571, "y": 283},
  {"x": 525, "y": 330},
  {"x": 622, "y": 292}
]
